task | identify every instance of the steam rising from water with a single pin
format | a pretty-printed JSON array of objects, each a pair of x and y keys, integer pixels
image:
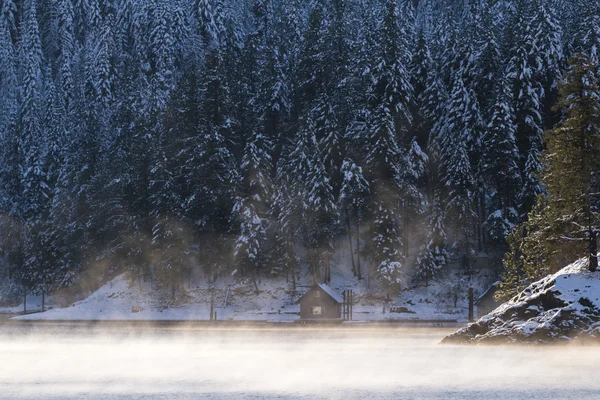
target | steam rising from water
[{"x": 284, "y": 364}]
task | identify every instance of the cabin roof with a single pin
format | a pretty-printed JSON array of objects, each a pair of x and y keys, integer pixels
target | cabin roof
[{"x": 327, "y": 289}]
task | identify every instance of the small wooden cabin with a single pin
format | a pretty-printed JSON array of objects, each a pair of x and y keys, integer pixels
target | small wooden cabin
[
  {"x": 322, "y": 303},
  {"x": 486, "y": 302}
]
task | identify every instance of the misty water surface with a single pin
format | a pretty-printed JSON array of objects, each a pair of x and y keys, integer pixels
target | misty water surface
[{"x": 81, "y": 363}]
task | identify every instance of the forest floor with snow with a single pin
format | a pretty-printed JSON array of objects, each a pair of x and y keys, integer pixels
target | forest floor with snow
[{"x": 237, "y": 300}]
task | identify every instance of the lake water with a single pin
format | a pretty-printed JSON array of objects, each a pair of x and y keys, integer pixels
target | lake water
[{"x": 66, "y": 362}]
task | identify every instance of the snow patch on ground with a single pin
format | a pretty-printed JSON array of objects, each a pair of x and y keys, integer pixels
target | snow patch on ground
[{"x": 121, "y": 299}]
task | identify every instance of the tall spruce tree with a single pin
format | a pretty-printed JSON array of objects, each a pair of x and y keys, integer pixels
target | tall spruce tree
[{"x": 573, "y": 164}]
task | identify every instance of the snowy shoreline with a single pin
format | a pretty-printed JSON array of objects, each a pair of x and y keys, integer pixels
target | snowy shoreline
[
  {"x": 236, "y": 323},
  {"x": 236, "y": 302}
]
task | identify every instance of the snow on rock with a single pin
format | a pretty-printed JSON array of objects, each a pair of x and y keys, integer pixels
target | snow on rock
[{"x": 557, "y": 309}]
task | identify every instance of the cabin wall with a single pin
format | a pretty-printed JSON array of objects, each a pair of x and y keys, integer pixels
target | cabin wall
[{"x": 330, "y": 309}]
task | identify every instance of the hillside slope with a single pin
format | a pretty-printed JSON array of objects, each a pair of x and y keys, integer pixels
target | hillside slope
[{"x": 236, "y": 299}]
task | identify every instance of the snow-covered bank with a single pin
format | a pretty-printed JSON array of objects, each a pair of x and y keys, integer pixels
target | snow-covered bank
[
  {"x": 557, "y": 309},
  {"x": 235, "y": 300}
]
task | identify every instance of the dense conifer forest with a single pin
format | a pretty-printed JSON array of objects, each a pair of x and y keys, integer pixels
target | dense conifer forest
[{"x": 257, "y": 135}]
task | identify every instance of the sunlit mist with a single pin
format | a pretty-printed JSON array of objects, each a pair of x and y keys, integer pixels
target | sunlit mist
[{"x": 283, "y": 363}]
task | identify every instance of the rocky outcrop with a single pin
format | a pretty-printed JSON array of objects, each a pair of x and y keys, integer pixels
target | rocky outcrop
[{"x": 560, "y": 308}]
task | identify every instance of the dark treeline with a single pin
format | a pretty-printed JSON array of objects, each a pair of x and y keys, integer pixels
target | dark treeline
[{"x": 150, "y": 135}]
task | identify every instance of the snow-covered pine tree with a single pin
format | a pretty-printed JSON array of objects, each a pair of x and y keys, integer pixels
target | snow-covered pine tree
[
  {"x": 547, "y": 54},
  {"x": 10, "y": 171},
  {"x": 351, "y": 203},
  {"x": 455, "y": 167},
  {"x": 209, "y": 14},
  {"x": 527, "y": 97},
  {"x": 421, "y": 73},
  {"x": 319, "y": 212},
  {"x": 385, "y": 242},
  {"x": 591, "y": 32},
  {"x": 311, "y": 69},
  {"x": 8, "y": 77},
  {"x": 433, "y": 256},
  {"x": 252, "y": 205},
  {"x": 36, "y": 191},
  {"x": 329, "y": 136},
  {"x": 170, "y": 239},
  {"x": 67, "y": 47},
  {"x": 210, "y": 165},
  {"x": 488, "y": 64},
  {"x": 500, "y": 166},
  {"x": 389, "y": 98},
  {"x": 390, "y": 85},
  {"x": 285, "y": 214}
]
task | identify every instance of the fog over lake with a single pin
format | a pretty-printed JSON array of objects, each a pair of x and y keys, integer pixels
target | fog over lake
[{"x": 62, "y": 362}]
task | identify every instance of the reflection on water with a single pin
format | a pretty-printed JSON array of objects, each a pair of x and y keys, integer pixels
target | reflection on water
[{"x": 159, "y": 363}]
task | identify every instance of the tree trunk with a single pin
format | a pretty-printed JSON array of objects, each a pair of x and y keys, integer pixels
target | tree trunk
[
  {"x": 358, "y": 250},
  {"x": 593, "y": 251},
  {"x": 483, "y": 219},
  {"x": 173, "y": 286},
  {"x": 351, "y": 247},
  {"x": 290, "y": 252},
  {"x": 479, "y": 224},
  {"x": 43, "y": 301},
  {"x": 255, "y": 283},
  {"x": 212, "y": 303},
  {"x": 24, "y": 301},
  {"x": 405, "y": 228},
  {"x": 294, "y": 275}
]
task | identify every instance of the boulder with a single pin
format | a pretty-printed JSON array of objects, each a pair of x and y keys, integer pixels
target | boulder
[{"x": 560, "y": 308}]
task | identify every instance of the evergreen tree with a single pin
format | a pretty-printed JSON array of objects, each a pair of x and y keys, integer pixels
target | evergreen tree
[
  {"x": 351, "y": 202},
  {"x": 433, "y": 256},
  {"x": 527, "y": 97},
  {"x": 500, "y": 166},
  {"x": 134, "y": 135},
  {"x": 572, "y": 163},
  {"x": 252, "y": 206},
  {"x": 455, "y": 166},
  {"x": 35, "y": 188}
]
